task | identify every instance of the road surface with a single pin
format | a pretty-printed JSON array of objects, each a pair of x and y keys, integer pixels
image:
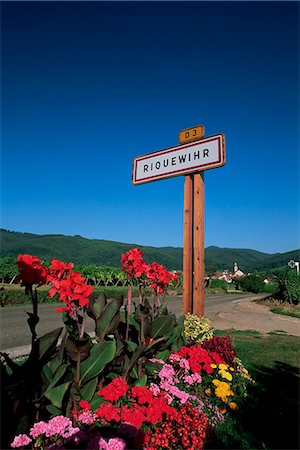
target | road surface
[{"x": 14, "y": 330}]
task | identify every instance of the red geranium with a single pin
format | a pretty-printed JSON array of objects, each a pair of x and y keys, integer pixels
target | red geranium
[
  {"x": 199, "y": 358},
  {"x": 142, "y": 394},
  {"x": 116, "y": 389},
  {"x": 108, "y": 412},
  {"x": 31, "y": 270}
]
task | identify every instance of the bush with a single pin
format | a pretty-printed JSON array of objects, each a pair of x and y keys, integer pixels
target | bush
[
  {"x": 288, "y": 287},
  {"x": 219, "y": 284},
  {"x": 197, "y": 329},
  {"x": 252, "y": 283}
]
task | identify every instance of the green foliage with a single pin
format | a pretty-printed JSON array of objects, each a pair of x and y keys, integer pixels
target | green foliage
[
  {"x": 8, "y": 269},
  {"x": 14, "y": 295},
  {"x": 197, "y": 329},
  {"x": 288, "y": 286},
  {"x": 219, "y": 284},
  {"x": 99, "y": 253},
  {"x": 252, "y": 283}
]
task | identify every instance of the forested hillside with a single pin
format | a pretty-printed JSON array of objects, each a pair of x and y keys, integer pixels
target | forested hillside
[{"x": 102, "y": 252}]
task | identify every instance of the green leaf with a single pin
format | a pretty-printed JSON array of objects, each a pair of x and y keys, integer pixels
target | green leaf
[
  {"x": 96, "y": 402},
  {"x": 104, "y": 321},
  {"x": 152, "y": 368},
  {"x": 53, "y": 410},
  {"x": 163, "y": 326},
  {"x": 58, "y": 375},
  {"x": 100, "y": 355},
  {"x": 48, "y": 341},
  {"x": 58, "y": 358},
  {"x": 141, "y": 381},
  {"x": 176, "y": 332},
  {"x": 56, "y": 394},
  {"x": 132, "y": 346},
  {"x": 164, "y": 355},
  {"x": 88, "y": 390},
  {"x": 46, "y": 372},
  {"x": 98, "y": 305}
]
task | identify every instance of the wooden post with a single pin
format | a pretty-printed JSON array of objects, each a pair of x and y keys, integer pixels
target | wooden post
[
  {"x": 188, "y": 245},
  {"x": 198, "y": 293}
]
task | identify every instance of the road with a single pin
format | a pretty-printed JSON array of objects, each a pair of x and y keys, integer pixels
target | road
[{"x": 15, "y": 331}]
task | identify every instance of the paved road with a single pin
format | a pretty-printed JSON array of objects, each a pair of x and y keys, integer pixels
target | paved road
[{"x": 15, "y": 331}]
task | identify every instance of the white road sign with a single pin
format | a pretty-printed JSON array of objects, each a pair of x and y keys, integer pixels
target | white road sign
[{"x": 207, "y": 153}]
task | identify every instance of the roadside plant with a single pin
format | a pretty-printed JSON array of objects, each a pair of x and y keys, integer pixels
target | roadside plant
[
  {"x": 66, "y": 373},
  {"x": 197, "y": 329},
  {"x": 288, "y": 289}
]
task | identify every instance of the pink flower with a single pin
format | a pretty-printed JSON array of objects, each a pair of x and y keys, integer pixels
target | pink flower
[
  {"x": 20, "y": 441},
  {"x": 181, "y": 395},
  {"x": 38, "y": 429},
  {"x": 155, "y": 389},
  {"x": 86, "y": 417},
  {"x": 60, "y": 425}
]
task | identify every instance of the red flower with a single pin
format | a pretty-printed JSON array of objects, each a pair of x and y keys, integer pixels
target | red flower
[
  {"x": 85, "y": 405},
  {"x": 133, "y": 263},
  {"x": 31, "y": 270},
  {"x": 159, "y": 277},
  {"x": 116, "y": 389},
  {"x": 72, "y": 289},
  {"x": 185, "y": 428},
  {"x": 58, "y": 270},
  {"x": 142, "y": 393},
  {"x": 109, "y": 412},
  {"x": 135, "y": 416}
]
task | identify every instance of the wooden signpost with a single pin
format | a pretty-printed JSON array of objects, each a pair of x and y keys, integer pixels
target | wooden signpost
[{"x": 191, "y": 158}]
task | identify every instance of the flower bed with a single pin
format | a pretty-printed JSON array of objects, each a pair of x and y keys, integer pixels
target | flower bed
[{"x": 148, "y": 381}]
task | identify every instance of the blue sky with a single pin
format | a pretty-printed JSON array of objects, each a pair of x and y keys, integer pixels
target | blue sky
[{"x": 88, "y": 86}]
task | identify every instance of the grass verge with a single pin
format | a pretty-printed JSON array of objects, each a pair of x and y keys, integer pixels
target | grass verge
[{"x": 269, "y": 417}]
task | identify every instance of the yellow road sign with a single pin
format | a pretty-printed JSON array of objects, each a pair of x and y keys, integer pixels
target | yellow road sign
[{"x": 191, "y": 134}]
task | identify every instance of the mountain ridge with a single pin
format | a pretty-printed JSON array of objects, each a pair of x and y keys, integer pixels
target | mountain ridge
[{"x": 79, "y": 249}]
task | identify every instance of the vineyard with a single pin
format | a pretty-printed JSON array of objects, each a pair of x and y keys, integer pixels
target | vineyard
[{"x": 94, "y": 274}]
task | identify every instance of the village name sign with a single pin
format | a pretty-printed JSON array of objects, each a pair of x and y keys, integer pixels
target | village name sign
[
  {"x": 204, "y": 154},
  {"x": 195, "y": 155}
]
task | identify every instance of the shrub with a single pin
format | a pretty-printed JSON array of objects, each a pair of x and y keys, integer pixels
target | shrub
[
  {"x": 252, "y": 283},
  {"x": 289, "y": 286},
  {"x": 197, "y": 329},
  {"x": 219, "y": 284}
]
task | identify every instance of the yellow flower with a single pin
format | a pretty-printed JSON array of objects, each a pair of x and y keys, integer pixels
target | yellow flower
[
  {"x": 225, "y": 375},
  {"x": 233, "y": 406},
  {"x": 245, "y": 370},
  {"x": 231, "y": 368},
  {"x": 223, "y": 366},
  {"x": 213, "y": 366},
  {"x": 222, "y": 410},
  {"x": 222, "y": 390},
  {"x": 207, "y": 391}
]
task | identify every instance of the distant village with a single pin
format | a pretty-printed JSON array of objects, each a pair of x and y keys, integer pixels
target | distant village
[{"x": 230, "y": 277}]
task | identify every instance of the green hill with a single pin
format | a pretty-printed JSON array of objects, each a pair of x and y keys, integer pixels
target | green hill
[{"x": 95, "y": 251}]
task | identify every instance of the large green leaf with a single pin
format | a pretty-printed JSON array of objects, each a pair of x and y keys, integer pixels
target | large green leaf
[
  {"x": 163, "y": 326},
  {"x": 98, "y": 305},
  {"x": 88, "y": 390},
  {"x": 176, "y": 332},
  {"x": 58, "y": 375},
  {"x": 48, "y": 341},
  {"x": 58, "y": 358},
  {"x": 141, "y": 381},
  {"x": 53, "y": 410},
  {"x": 96, "y": 401},
  {"x": 104, "y": 321},
  {"x": 100, "y": 355},
  {"x": 56, "y": 394}
]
